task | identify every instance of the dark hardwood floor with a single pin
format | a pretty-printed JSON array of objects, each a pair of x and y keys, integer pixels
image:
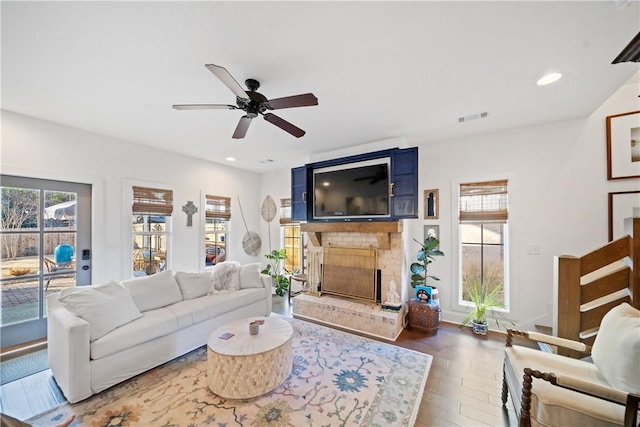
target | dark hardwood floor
[{"x": 463, "y": 387}]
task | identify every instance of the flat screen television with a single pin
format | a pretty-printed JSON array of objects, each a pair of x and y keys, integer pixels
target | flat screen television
[{"x": 352, "y": 191}]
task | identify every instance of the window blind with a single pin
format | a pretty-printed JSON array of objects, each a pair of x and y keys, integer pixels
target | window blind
[
  {"x": 152, "y": 201},
  {"x": 483, "y": 201},
  {"x": 218, "y": 207},
  {"x": 285, "y": 211}
]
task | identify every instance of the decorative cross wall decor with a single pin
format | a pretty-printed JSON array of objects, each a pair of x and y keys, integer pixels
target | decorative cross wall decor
[{"x": 190, "y": 209}]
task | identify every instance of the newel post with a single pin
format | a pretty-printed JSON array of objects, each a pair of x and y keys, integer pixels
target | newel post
[{"x": 568, "y": 277}]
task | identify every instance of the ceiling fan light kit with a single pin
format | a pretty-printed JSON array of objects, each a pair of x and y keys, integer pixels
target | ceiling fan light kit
[{"x": 253, "y": 104}]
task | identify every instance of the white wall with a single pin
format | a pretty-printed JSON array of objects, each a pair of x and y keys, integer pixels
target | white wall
[
  {"x": 557, "y": 194},
  {"x": 36, "y": 148},
  {"x": 557, "y": 199}
]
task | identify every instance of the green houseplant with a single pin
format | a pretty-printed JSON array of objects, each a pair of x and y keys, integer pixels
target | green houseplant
[
  {"x": 275, "y": 269},
  {"x": 426, "y": 255},
  {"x": 486, "y": 298}
]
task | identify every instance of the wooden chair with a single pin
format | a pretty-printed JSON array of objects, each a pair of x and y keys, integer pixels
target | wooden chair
[
  {"x": 53, "y": 267},
  {"x": 574, "y": 392}
]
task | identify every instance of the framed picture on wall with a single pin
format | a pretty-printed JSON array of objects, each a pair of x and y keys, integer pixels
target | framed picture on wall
[
  {"x": 431, "y": 204},
  {"x": 623, "y": 146},
  {"x": 623, "y": 205},
  {"x": 432, "y": 230}
]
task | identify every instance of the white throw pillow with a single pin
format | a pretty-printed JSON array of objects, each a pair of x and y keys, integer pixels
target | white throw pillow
[
  {"x": 194, "y": 284},
  {"x": 225, "y": 277},
  {"x": 250, "y": 276},
  {"x": 105, "y": 307},
  {"x": 155, "y": 291},
  {"x": 616, "y": 350}
]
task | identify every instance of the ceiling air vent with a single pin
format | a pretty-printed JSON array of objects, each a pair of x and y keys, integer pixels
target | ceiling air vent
[{"x": 472, "y": 117}]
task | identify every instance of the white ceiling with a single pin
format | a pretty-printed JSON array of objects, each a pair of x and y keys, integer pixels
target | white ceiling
[{"x": 380, "y": 70}]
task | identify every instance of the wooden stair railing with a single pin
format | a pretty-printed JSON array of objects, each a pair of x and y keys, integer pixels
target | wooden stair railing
[{"x": 577, "y": 318}]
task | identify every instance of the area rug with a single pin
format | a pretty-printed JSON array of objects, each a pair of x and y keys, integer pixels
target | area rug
[
  {"x": 338, "y": 379},
  {"x": 23, "y": 366}
]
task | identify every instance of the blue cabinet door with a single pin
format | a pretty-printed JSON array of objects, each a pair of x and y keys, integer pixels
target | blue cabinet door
[
  {"x": 404, "y": 176},
  {"x": 299, "y": 193}
]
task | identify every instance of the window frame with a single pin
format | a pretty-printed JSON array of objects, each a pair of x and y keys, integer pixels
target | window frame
[
  {"x": 224, "y": 216},
  {"x": 457, "y": 303},
  {"x": 130, "y": 234},
  {"x": 287, "y": 222}
]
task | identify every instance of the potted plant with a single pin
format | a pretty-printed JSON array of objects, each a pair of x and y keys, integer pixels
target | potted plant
[
  {"x": 275, "y": 269},
  {"x": 426, "y": 255},
  {"x": 486, "y": 298}
]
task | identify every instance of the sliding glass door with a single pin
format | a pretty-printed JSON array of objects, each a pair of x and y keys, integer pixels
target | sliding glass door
[{"x": 45, "y": 238}]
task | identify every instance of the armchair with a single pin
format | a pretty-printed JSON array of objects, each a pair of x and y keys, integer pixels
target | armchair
[{"x": 577, "y": 392}]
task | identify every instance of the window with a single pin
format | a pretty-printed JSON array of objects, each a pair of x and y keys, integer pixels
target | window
[
  {"x": 151, "y": 222},
  {"x": 292, "y": 239},
  {"x": 217, "y": 216},
  {"x": 483, "y": 238}
]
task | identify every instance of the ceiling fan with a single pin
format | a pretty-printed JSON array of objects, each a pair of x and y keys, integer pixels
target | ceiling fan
[{"x": 253, "y": 103}]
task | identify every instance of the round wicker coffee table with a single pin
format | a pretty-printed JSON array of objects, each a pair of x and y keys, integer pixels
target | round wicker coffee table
[{"x": 245, "y": 366}]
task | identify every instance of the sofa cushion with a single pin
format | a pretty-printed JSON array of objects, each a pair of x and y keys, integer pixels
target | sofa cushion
[
  {"x": 225, "y": 277},
  {"x": 153, "y": 324},
  {"x": 105, "y": 307},
  {"x": 616, "y": 350},
  {"x": 155, "y": 291},
  {"x": 195, "y": 284},
  {"x": 250, "y": 276}
]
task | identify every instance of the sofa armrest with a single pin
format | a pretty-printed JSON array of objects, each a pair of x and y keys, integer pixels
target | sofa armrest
[
  {"x": 267, "y": 281},
  {"x": 69, "y": 351},
  {"x": 547, "y": 339}
]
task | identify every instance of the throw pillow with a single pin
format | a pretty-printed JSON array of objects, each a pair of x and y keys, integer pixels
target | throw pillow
[
  {"x": 616, "y": 350},
  {"x": 225, "y": 277},
  {"x": 155, "y": 291},
  {"x": 195, "y": 284},
  {"x": 250, "y": 276},
  {"x": 105, "y": 307}
]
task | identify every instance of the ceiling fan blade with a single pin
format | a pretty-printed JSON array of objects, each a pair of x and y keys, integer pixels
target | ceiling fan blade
[
  {"x": 204, "y": 107},
  {"x": 284, "y": 125},
  {"x": 226, "y": 78},
  {"x": 304, "y": 100},
  {"x": 242, "y": 128}
]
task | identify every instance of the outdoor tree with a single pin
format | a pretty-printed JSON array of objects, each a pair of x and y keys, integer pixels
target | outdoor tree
[{"x": 19, "y": 209}]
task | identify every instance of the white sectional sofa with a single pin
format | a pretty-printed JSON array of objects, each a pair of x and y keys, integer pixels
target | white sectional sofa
[{"x": 101, "y": 335}]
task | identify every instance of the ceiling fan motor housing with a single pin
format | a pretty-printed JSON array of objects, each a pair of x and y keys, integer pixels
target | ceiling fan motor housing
[{"x": 256, "y": 103}]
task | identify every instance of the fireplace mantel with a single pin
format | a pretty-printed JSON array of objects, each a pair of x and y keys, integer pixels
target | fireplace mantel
[{"x": 382, "y": 230}]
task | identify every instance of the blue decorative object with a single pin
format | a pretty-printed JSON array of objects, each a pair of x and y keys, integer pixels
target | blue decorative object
[{"x": 423, "y": 293}]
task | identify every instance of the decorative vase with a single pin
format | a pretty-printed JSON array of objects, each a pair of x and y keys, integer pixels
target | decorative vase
[{"x": 479, "y": 328}]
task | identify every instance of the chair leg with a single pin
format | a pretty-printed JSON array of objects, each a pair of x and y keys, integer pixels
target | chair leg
[{"x": 505, "y": 388}]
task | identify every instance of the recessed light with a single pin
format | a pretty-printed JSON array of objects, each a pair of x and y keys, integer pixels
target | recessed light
[
  {"x": 549, "y": 78},
  {"x": 230, "y": 159}
]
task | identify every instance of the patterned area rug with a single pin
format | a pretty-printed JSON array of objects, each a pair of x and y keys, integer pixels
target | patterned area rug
[{"x": 338, "y": 379}]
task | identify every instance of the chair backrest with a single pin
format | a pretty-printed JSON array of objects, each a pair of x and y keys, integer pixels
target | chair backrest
[
  {"x": 63, "y": 254},
  {"x": 579, "y": 320}
]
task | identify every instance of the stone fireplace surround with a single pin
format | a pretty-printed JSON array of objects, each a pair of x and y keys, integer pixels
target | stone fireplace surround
[{"x": 360, "y": 316}]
